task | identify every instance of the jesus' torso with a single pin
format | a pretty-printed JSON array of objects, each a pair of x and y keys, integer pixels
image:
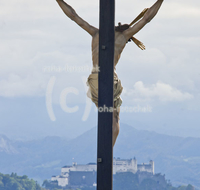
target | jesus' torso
[{"x": 120, "y": 42}]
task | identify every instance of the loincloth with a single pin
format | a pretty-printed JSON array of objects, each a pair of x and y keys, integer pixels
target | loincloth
[{"x": 92, "y": 93}]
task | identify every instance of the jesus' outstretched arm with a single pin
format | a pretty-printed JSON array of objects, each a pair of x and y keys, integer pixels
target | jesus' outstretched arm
[
  {"x": 70, "y": 12},
  {"x": 148, "y": 16}
]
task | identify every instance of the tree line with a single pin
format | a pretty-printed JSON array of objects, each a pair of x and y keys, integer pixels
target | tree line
[
  {"x": 121, "y": 181},
  {"x": 15, "y": 182}
]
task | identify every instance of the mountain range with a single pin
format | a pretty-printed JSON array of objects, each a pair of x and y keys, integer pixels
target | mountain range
[{"x": 176, "y": 157}]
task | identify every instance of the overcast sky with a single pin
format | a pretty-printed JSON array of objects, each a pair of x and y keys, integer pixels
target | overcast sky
[{"x": 44, "y": 55}]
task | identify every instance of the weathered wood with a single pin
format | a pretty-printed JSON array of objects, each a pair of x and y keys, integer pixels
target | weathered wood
[{"x": 105, "y": 97}]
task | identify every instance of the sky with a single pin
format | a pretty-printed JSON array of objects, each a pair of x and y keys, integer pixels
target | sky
[{"x": 45, "y": 59}]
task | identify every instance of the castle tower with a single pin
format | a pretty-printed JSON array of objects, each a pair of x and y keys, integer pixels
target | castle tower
[
  {"x": 151, "y": 162},
  {"x": 133, "y": 165}
]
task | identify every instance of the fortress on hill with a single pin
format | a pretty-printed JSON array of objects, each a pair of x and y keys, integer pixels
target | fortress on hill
[{"x": 75, "y": 174}]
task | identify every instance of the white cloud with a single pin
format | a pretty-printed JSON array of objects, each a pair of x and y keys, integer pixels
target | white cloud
[
  {"x": 163, "y": 92},
  {"x": 15, "y": 86}
]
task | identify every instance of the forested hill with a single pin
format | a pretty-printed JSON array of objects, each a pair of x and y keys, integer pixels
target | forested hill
[{"x": 15, "y": 182}]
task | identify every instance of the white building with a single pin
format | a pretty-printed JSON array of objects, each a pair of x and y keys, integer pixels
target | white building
[
  {"x": 146, "y": 167},
  {"x": 62, "y": 180},
  {"x": 89, "y": 167},
  {"x": 119, "y": 165},
  {"x": 123, "y": 165}
]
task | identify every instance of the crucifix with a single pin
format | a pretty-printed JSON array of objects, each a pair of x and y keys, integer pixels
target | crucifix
[{"x": 105, "y": 87}]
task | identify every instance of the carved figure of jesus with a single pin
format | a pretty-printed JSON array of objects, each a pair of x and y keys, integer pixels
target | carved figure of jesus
[{"x": 123, "y": 34}]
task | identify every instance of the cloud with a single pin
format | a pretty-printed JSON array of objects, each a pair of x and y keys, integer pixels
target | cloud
[
  {"x": 163, "y": 92},
  {"x": 15, "y": 86},
  {"x": 32, "y": 38}
]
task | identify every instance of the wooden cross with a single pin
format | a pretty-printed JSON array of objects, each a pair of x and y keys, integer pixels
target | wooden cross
[{"x": 105, "y": 96}]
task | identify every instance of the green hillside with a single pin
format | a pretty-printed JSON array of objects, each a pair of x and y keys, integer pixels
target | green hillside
[{"x": 15, "y": 182}]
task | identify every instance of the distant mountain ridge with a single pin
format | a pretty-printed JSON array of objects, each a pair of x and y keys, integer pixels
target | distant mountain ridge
[
  {"x": 6, "y": 145},
  {"x": 177, "y": 157}
]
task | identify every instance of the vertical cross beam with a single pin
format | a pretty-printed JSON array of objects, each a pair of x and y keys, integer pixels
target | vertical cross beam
[{"x": 105, "y": 96}]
